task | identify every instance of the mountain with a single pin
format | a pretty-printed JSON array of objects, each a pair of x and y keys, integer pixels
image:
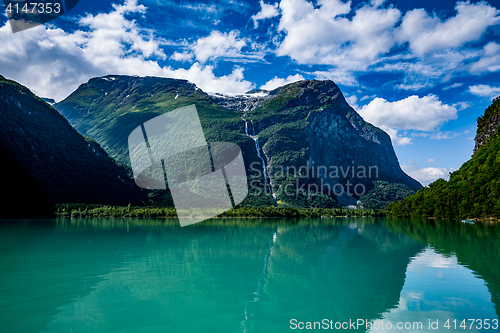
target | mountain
[
  {"x": 309, "y": 123},
  {"x": 473, "y": 191},
  {"x": 304, "y": 135},
  {"x": 45, "y": 161}
]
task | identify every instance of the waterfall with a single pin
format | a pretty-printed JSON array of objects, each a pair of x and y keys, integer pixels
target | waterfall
[
  {"x": 246, "y": 126},
  {"x": 248, "y": 312},
  {"x": 264, "y": 167}
]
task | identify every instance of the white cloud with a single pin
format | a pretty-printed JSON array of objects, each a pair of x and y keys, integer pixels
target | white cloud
[
  {"x": 53, "y": 63},
  {"x": 217, "y": 45},
  {"x": 340, "y": 75},
  {"x": 323, "y": 35},
  {"x": 427, "y": 175},
  {"x": 204, "y": 78},
  {"x": 430, "y": 160},
  {"x": 412, "y": 87},
  {"x": 484, "y": 90},
  {"x": 201, "y": 7},
  {"x": 454, "y": 85},
  {"x": 184, "y": 56},
  {"x": 445, "y": 135},
  {"x": 425, "y": 73},
  {"x": 353, "y": 101},
  {"x": 397, "y": 139},
  {"x": 427, "y": 33},
  {"x": 462, "y": 105},
  {"x": 220, "y": 45},
  {"x": 490, "y": 59},
  {"x": 412, "y": 113},
  {"x": 278, "y": 82},
  {"x": 266, "y": 12}
]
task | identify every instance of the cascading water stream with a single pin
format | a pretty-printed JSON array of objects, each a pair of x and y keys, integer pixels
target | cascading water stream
[
  {"x": 264, "y": 167},
  {"x": 246, "y": 126}
]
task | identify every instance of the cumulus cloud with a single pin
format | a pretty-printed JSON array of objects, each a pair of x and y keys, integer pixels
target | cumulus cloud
[
  {"x": 490, "y": 59},
  {"x": 485, "y": 90},
  {"x": 266, "y": 11},
  {"x": 324, "y": 35},
  {"x": 278, "y": 82},
  {"x": 53, "y": 63},
  {"x": 182, "y": 56},
  {"x": 427, "y": 175},
  {"x": 412, "y": 113},
  {"x": 426, "y": 113},
  {"x": 219, "y": 45},
  {"x": 427, "y": 33}
]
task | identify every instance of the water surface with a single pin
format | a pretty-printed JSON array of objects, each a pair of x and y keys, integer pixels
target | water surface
[{"x": 245, "y": 275}]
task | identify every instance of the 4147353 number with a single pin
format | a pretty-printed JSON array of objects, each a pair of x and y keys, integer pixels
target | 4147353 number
[
  {"x": 472, "y": 324},
  {"x": 34, "y": 8}
]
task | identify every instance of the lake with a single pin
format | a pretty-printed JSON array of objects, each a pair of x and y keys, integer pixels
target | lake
[{"x": 248, "y": 275}]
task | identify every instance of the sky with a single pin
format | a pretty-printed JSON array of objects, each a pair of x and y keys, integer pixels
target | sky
[{"x": 421, "y": 70}]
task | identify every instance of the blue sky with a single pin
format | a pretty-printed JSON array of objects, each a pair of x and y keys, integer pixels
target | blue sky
[{"x": 421, "y": 70}]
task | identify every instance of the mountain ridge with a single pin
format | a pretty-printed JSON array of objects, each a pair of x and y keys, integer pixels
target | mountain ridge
[{"x": 285, "y": 128}]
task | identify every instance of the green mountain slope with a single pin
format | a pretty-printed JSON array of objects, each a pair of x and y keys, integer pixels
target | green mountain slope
[
  {"x": 302, "y": 125},
  {"x": 45, "y": 161},
  {"x": 473, "y": 191},
  {"x": 108, "y": 109}
]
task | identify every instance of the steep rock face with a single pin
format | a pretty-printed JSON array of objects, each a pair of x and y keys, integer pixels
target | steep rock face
[
  {"x": 45, "y": 161},
  {"x": 488, "y": 124},
  {"x": 298, "y": 125}
]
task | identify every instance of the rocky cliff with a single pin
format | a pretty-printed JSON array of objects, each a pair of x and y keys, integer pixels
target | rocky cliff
[{"x": 487, "y": 125}]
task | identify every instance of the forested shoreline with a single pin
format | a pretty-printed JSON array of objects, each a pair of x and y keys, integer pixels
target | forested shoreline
[{"x": 92, "y": 210}]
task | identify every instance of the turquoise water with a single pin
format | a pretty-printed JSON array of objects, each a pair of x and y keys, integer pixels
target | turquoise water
[{"x": 246, "y": 275}]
